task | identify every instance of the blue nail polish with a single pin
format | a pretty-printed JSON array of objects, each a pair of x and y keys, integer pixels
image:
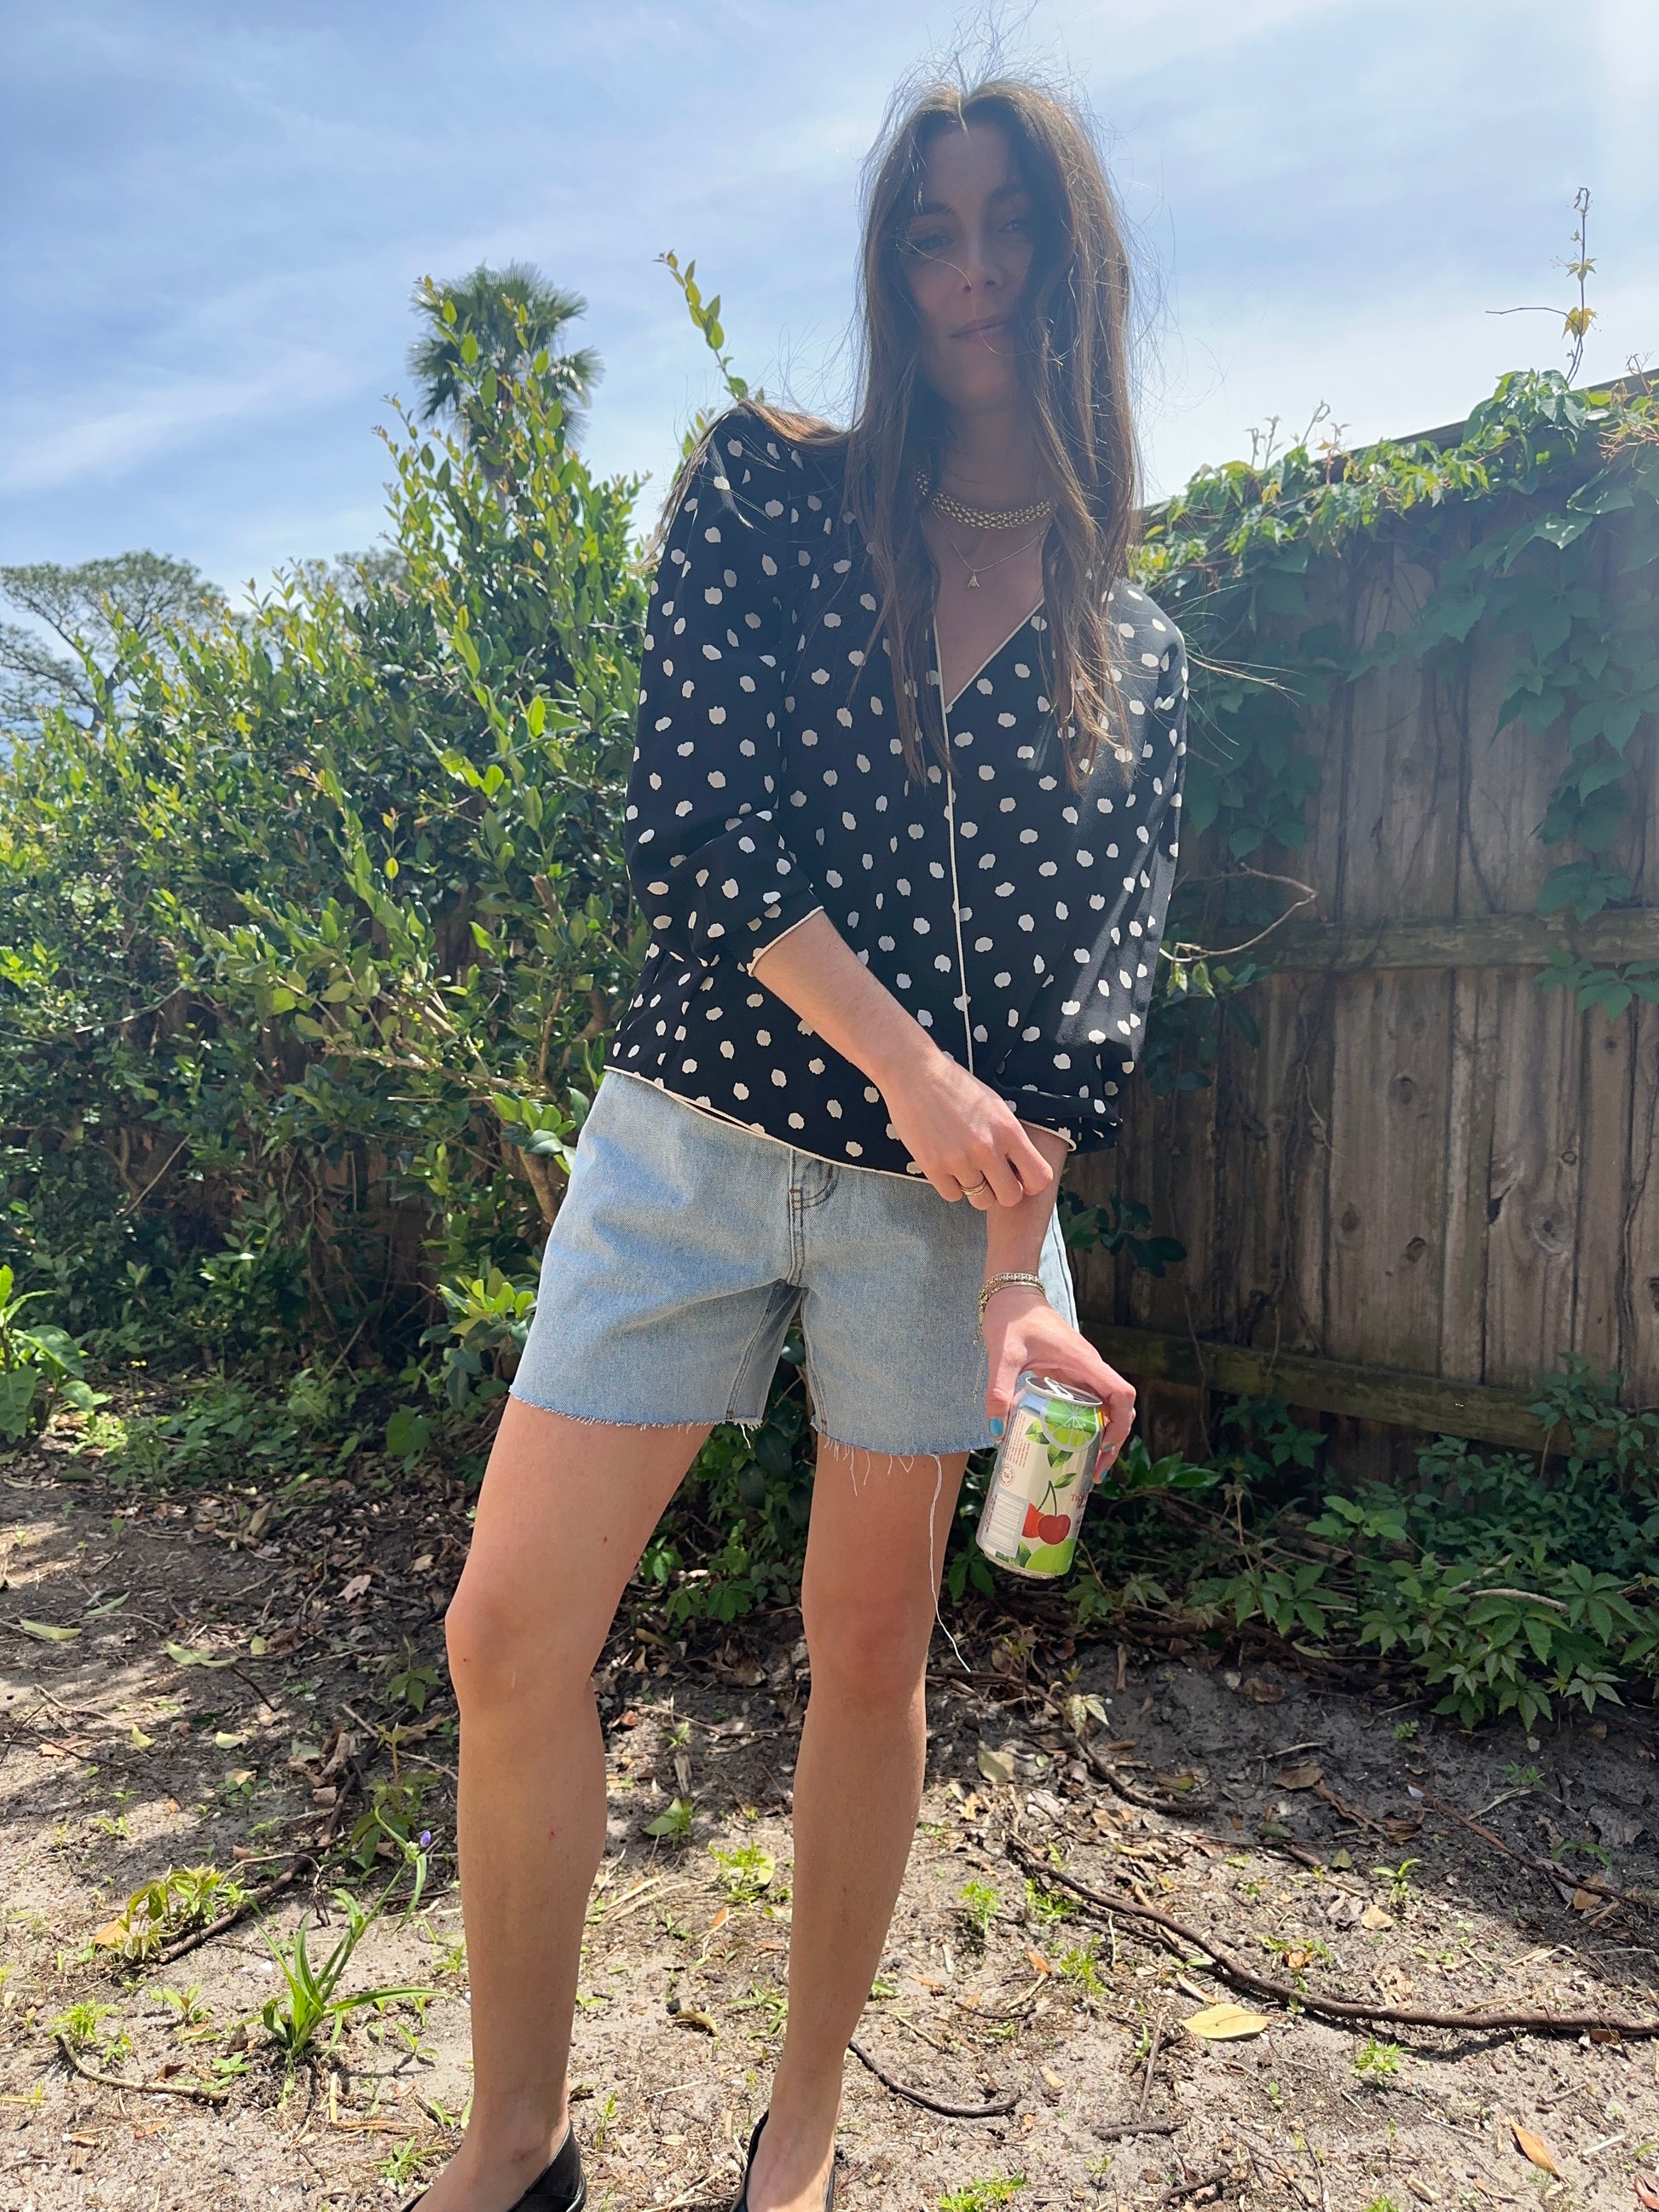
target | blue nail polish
[{"x": 996, "y": 1427}]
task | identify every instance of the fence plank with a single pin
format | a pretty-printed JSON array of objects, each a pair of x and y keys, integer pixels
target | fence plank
[
  {"x": 1639, "y": 1289},
  {"x": 1476, "y": 1058},
  {"x": 1387, "y": 1168},
  {"x": 1532, "y": 1194},
  {"x": 1475, "y": 1410},
  {"x": 1606, "y": 1070}
]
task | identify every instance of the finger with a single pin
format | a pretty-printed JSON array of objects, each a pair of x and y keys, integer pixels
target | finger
[
  {"x": 948, "y": 1189},
  {"x": 1003, "y": 1186},
  {"x": 1027, "y": 1161}
]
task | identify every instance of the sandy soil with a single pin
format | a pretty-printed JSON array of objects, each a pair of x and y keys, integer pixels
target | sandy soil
[{"x": 1284, "y": 1829}]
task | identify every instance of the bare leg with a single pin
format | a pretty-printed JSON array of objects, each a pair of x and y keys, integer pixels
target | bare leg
[
  {"x": 565, "y": 1511},
  {"x": 874, "y": 1560}
]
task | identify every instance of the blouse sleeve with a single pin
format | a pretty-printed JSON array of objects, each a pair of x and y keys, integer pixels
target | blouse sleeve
[
  {"x": 1083, "y": 1032},
  {"x": 714, "y": 875}
]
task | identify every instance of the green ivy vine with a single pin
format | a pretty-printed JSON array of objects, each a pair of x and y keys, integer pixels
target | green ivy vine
[{"x": 1544, "y": 500}]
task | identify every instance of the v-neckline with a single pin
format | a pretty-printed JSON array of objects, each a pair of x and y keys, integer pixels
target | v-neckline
[{"x": 996, "y": 650}]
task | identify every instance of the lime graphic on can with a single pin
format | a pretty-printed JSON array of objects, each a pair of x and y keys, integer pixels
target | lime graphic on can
[{"x": 1045, "y": 1469}]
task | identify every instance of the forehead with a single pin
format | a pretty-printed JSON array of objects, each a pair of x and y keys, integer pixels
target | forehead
[{"x": 967, "y": 163}]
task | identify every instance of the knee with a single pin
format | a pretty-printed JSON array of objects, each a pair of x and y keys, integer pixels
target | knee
[
  {"x": 872, "y": 1657},
  {"x": 499, "y": 1658}
]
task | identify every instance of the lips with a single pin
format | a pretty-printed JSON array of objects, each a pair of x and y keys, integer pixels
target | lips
[{"x": 982, "y": 329}]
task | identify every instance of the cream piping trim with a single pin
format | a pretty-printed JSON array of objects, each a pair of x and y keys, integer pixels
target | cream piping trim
[
  {"x": 939, "y": 665},
  {"x": 950, "y": 832},
  {"x": 749, "y": 965}
]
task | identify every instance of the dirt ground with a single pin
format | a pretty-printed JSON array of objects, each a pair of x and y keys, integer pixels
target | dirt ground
[{"x": 1291, "y": 1839}]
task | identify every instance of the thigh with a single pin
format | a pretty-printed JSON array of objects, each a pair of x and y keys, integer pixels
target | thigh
[
  {"x": 566, "y": 1510},
  {"x": 875, "y": 1552}
]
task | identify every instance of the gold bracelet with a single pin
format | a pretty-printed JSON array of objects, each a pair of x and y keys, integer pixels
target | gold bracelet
[{"x": 1004, "y": 1282}]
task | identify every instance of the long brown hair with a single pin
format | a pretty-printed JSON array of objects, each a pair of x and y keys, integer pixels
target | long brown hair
[{"x": 1073, "y": 362}]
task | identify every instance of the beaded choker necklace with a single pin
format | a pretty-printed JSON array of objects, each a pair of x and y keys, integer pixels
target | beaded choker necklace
[{"x": 984, "y": 518}]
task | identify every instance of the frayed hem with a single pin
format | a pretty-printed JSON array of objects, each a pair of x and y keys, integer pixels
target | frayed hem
[
  {"x": 663, "y": 1428},
  {"x": 907, "y": 1458}
]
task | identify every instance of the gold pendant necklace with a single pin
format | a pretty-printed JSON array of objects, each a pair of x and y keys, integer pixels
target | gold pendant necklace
[{"x": 976, "y": 567}]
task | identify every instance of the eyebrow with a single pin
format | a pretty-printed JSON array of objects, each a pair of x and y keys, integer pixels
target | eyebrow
[{"x": 945, "y": 207}]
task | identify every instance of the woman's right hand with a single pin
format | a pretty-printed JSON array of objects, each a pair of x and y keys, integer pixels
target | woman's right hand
[{"x": 966, "y": 1140}]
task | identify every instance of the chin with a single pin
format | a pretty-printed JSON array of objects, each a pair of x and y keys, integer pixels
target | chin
[{"x": 994, "y": 386}]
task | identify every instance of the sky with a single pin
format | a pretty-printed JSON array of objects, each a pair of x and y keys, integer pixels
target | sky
[{"x": 216, "y": 214}]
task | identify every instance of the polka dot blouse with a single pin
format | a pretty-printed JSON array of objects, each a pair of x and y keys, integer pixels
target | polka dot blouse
[{"x": 1016, "y": 917}]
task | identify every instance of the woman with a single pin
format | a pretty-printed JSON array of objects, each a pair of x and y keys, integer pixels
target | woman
[{"x": 902, "y": 819}]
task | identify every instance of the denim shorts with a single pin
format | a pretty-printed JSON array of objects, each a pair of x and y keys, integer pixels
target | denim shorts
[{"x": 685, "y": 1247}]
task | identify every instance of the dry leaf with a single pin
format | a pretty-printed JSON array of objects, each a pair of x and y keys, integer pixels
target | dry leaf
[
  {"x": 183, "y": 1655},
  {"x": 1265, "y": 1693},
  {"x": 354, "y": 1590},
  {"x": 996, "y": 1765},
  {"x": 1226, "y": 2023},
  {"x": 1647, "y": 2192},
  {"x": 47, "y": 1631},
  {"x": 698, "y": 2020},
  {"x": 258, "y": 1646},
  {"x": 720, "y": 1918},
  {"x": 1306, "y": 1774},
  {"x": 1039, "y": 1964},
  {"x": 1534, "y": 2148},
  {"x": 1375, "y": 1917},
  {"x": 1586, "y": 1901},
  {"x": 1182, "y": 1780},
  {"x": 112, "y": 1936}
]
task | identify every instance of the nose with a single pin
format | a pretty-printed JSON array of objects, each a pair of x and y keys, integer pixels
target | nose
[{"x": 979, "y": 266}]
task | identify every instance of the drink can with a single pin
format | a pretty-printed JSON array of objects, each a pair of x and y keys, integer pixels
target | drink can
[{"x": 1051, "y": 1452}]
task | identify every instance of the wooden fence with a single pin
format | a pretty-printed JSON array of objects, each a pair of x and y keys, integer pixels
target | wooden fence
[{"x": 1430, "y": 1178}]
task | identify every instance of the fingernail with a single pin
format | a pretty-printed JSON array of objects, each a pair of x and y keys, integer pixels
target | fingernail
[{"x": 996, "y": 1426}]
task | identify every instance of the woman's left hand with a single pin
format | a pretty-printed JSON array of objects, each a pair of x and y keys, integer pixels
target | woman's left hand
[{"x": 1023, "y": 1330}]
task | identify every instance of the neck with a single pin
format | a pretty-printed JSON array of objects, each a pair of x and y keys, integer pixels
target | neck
[{"x": 990, "y": 458}]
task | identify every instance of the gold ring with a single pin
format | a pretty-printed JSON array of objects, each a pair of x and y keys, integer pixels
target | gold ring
[{"x": 984, "y": 1183}]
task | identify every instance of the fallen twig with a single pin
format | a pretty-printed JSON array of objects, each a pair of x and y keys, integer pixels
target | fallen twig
[
  {"x": 998, "y": 2111},
  {"x": 198, "y": 2091},
  {"x": 1246, "y": 1978},
  {"x": 1191, "y": 2188},
  {"x": 1112, "y": 2130},
  {"x": 1111, "y": 1776},
  {"x": 1549, "y": 1868}
]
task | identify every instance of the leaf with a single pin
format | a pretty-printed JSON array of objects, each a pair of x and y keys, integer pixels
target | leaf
[
  {"x": 996, "y": 1765},
  {"x": 1306, "y": 1774},
  {"x": 1038, "y": 1964},
  {"x": 47, "y": 1631},
  {"x": 109, "y": 1605},
  {"x": 1226, "y": 2023},
  {"x": 407, "y": 1433},
  {"x": 183, "y": 1655},
  {"x": 257, "y": 1647},
  {"x": 138, "y": 1739},
  {"x": 354, "y": 1589},
  {"x": 1586, "y": 1901},
  {"x": 698, "y": 2020},
  {"x": 1647, "y": 2192},
  {"x": 1534, "y": 2148},
  {"x": 1375, "y": 1918}
]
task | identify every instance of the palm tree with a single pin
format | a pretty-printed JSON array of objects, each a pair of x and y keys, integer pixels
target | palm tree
[{"x": 515, "y": 314}]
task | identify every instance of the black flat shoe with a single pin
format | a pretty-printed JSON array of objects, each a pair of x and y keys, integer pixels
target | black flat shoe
[
  {"x": 740, "y": 2202},
  {"x": 560, "y": 2188}
]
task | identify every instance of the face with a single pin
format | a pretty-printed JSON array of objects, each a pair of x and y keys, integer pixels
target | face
[{"x": 966, "y": 256}]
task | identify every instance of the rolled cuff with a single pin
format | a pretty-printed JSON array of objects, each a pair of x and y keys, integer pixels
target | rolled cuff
[{"x": 788, "y": 930}]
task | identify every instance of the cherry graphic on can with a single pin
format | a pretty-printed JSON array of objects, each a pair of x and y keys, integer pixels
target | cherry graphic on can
[{"x": 1051, "y": 1453}]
